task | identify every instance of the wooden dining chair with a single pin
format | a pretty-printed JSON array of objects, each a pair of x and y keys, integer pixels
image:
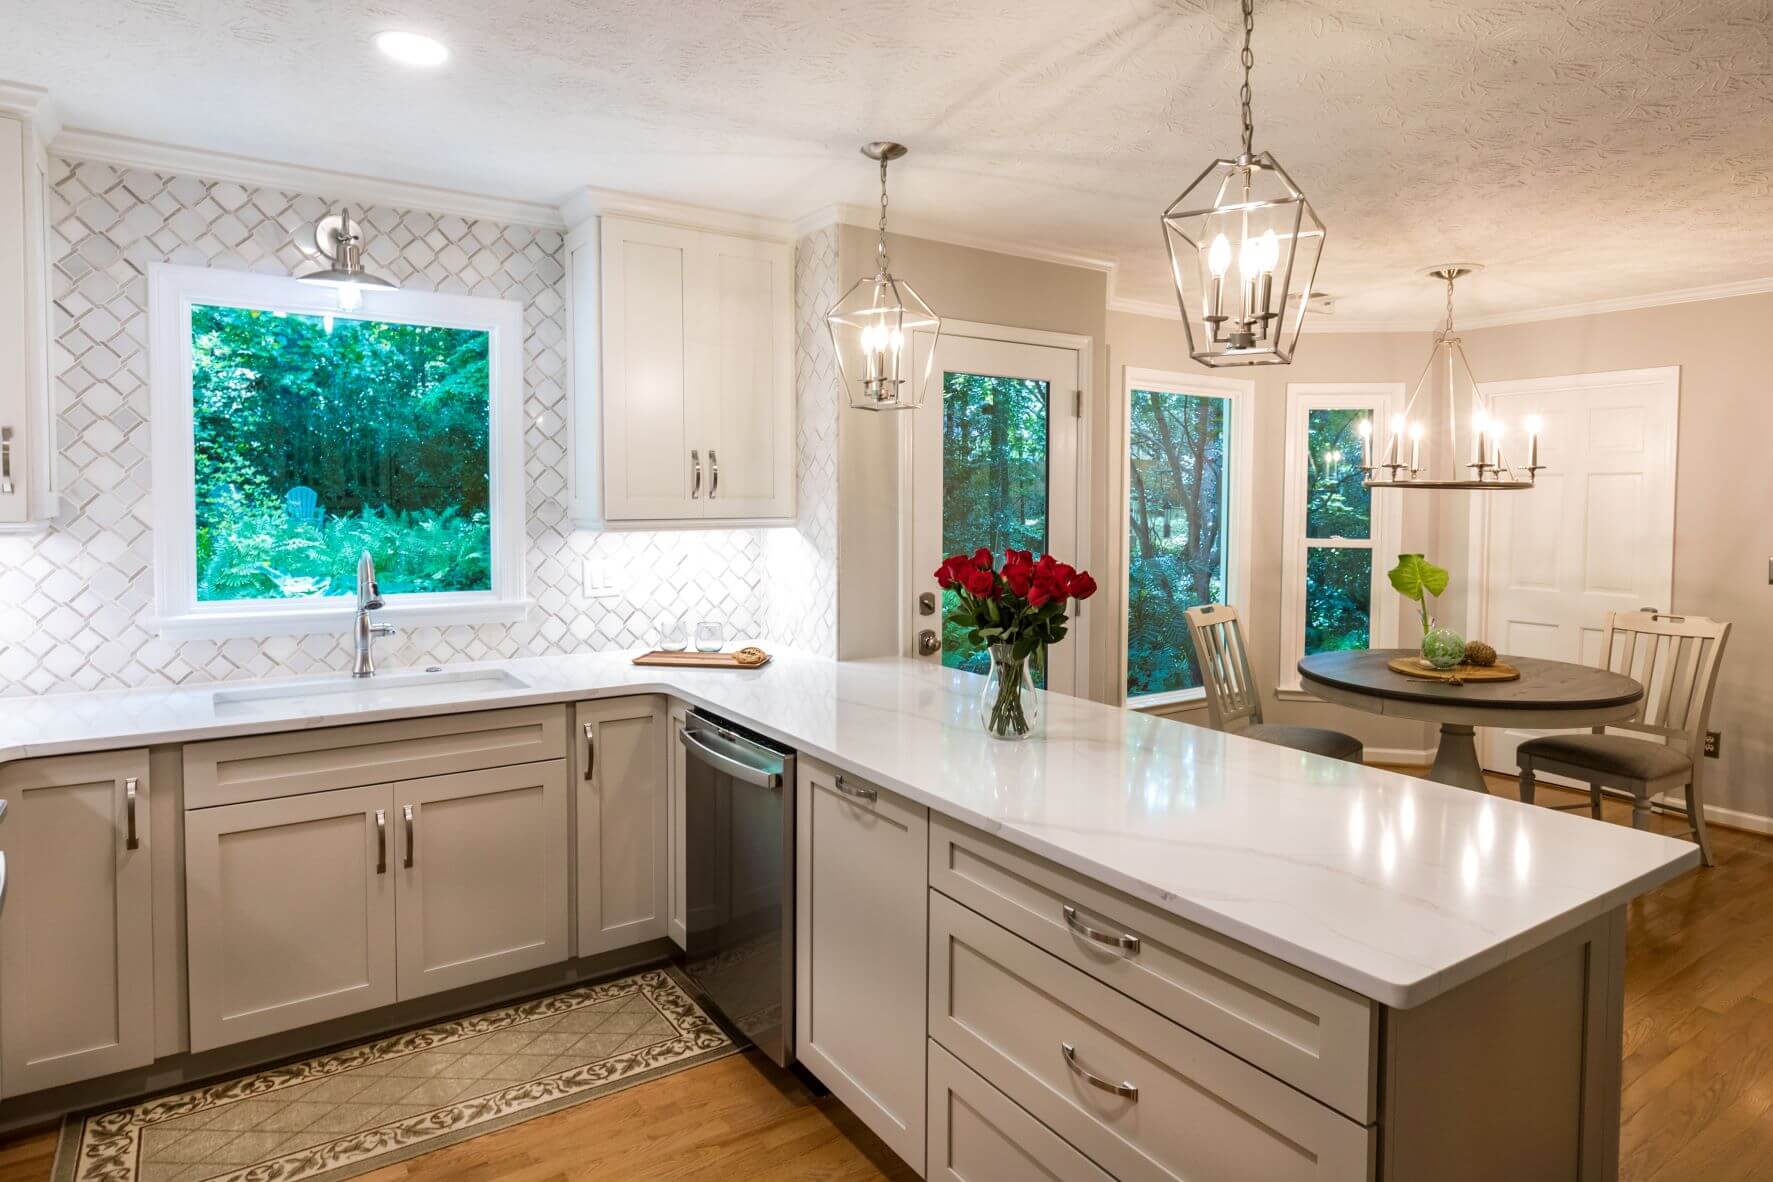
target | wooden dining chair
[
  {"x": 1675, "y": 658},
  {"x": 1234, "y": 703}
]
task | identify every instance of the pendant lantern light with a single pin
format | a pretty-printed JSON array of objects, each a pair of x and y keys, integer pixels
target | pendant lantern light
[
  {"x": 1243, "y": 212},
  {"x": 1447, "y": 429},
  {"x": 873, "y": 325},
  {"x": 340, "y": 242}
]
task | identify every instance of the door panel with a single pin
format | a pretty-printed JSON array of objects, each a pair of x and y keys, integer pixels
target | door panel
[
  {"x": 747, "y": 398},
  {"x": 623, "y": 780},
  {"x": 482, "y": 875},
  {"x": 1595, "y": 535},
  {"x": 290, "y": 912},
  {"x": 994, "y": 464},
  {"x": 76, "y": 928}
]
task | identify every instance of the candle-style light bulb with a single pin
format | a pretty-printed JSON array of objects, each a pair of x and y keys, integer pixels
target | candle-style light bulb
[
  {"x": 1393, "y": 448},
  {"x": 1480, "y": 432},
  {"x": 1415, "y": 448},
  {"x": 1268, "y": 251},
  {"x": 1534, "y": 424},
  {"x": 1219, "y": 256},
  {"x": 1364, "y": 429}
]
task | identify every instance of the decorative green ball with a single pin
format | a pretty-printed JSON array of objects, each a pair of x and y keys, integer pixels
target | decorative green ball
[{"x": 1443, "y": 648}]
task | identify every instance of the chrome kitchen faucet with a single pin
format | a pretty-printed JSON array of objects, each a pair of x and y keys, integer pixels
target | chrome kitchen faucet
[{"x": 363, "y": 632}]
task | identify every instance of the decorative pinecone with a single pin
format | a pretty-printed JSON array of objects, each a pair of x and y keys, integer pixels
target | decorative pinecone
[{"x": 1479, "y": 653}]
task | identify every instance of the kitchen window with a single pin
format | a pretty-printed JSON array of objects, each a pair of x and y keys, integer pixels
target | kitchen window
[
  {"x": 1187, "y": 481},
  {"x": 1339, "y": 537},
  {"x": 290, "y": 436}
]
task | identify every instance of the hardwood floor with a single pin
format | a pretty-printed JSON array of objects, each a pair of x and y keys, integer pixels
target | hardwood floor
[{"x": 1698, "y": 1099}]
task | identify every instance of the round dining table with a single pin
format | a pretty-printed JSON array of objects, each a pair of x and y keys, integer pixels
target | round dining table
[{"x": 1549, "y": 695}]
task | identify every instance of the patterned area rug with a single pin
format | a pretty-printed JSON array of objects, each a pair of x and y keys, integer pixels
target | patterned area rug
[{"x": 346, "y": 1113}]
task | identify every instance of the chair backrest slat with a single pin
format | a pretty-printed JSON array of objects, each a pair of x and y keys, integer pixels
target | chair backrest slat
[
  {"x": 1233, "y": 702},
  {"x": 1679, "y": 671}
]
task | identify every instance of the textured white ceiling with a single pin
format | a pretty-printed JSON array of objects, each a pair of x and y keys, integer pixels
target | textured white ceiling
[{"x": 1583, "y": 149}]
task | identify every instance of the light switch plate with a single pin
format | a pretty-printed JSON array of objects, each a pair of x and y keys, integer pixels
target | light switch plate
[{"x": 595, "y": 576}]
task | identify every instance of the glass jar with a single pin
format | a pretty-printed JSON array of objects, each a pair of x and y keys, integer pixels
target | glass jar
[{"x": 1010, "y": 707}]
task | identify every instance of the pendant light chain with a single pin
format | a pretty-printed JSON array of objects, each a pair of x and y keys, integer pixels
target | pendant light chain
[
  {"x": 1249, "y": 60},
  {"x": 880, "y": 249},
  {"x": 1449, "y": 328}
]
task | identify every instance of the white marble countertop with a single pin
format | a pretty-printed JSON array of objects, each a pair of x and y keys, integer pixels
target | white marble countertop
[{"x": 1394, "y": 887}]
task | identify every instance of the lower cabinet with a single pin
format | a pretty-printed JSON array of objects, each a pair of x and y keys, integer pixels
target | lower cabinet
[
  {"x": 978, "y": 1134},
  {"x": 623, "y": 780},
  {"x": 76, "y": 920},
  {"x": 861, "y": 869},
  {"x": 305, "y": 908}
]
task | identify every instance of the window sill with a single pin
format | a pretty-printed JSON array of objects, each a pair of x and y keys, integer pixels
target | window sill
[
  {"x": 1295, "y": 693},
  {"x": 219, "y": 625},
  {"x": 1174, "y": 700}
]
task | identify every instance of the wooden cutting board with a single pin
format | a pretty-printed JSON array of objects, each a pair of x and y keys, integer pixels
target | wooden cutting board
[
  {"x": 1457, "y": 675},
  {"x": 745, "y": 658}
]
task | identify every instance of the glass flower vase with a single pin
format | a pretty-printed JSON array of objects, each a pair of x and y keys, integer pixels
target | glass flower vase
[
  {"x": 1442, "y": 648},
  {"x": 1010, "y": 706}
]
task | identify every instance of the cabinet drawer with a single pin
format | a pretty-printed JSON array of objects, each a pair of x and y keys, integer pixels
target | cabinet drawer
[
  {"x": 1042, "y": 1031},
  {"x": 1317, "y": 1036},
  {"x": 977, "y": 1134},
  {"x": 230, "y": 771}
]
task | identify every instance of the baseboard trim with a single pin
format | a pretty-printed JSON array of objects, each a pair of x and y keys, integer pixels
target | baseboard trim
[
  {"x": 1408, "y": 756},
  {"x": 1726, "y": 818}
]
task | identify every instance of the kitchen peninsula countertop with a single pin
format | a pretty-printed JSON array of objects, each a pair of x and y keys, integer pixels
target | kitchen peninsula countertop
[{"x": 1396, "y": 888}]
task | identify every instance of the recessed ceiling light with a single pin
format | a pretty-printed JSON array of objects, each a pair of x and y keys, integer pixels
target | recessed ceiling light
[{"x": 412, "y": 49}]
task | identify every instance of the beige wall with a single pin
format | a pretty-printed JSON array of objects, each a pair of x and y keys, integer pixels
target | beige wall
[
  {"x": 1149, "y": 342},
  {"x": 963, "y": 284},
  {"x": 1723, "y": 487}
]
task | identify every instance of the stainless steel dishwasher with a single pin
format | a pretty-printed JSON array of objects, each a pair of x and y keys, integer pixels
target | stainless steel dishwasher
[{"x": 739, "y": 878}]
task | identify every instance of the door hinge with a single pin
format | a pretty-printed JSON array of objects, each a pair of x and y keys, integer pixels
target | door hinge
[{"x": 1077, "y": 404}]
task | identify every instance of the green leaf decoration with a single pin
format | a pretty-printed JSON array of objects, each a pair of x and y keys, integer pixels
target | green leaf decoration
[{"x": 1414, "y": 575}]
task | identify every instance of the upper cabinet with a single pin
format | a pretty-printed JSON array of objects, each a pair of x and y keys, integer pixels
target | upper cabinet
[
  {"x": 683, "y": 375},
  {"x": 26, "y": 429}
]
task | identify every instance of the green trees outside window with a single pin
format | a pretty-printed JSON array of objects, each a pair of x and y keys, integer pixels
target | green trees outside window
[
  {"x": 1177, "y": 512},
  {"x": 1338, "y": 578},
  {"x": 319, "y": 437}
]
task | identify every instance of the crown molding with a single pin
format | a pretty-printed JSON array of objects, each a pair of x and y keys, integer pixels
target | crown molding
[
  {"x": 867, "y": 217},
  {"x": 33, "y": 104},
  {"x": 126, "y": 152},
  {"x": 1660, "y": 299},
  {"x": 586, "y": 203}
]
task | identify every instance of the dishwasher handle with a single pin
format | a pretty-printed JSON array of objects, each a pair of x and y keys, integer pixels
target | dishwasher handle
[{"x": 697, "y": 748}]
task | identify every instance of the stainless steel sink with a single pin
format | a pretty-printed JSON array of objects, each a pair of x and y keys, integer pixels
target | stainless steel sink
[{"x": 387, "y": 689}]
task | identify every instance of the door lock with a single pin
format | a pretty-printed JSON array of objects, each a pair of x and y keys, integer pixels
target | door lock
[
  {"x": 926, "y": 603},
  {"x": 928, "y": 643}
]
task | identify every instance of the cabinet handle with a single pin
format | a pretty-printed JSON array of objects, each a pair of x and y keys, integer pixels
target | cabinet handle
[
  {"x": 714, "y": 464},
  {"x": 406, "y": 811},
  {"x": 1130, "y": 1091},
  {"x": 590, "y": 751},
  {"x": 863, "y": 793},
  {"x": 5, "y": 461},
  {"x": 1125, "y": 941},
  {"x": 381, "y": 841},
  {"x": 696, "y": 483},
  {"x": 130, "y": 841}
]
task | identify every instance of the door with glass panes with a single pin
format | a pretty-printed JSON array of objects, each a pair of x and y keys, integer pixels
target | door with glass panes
[{"x": 994, "y": 465}]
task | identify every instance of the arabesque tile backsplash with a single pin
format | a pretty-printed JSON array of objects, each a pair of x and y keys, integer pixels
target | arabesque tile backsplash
[{"x": 76, "y": 604}]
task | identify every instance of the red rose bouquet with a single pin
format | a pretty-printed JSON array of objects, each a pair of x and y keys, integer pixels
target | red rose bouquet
[{"x": 1015, "y": 611}]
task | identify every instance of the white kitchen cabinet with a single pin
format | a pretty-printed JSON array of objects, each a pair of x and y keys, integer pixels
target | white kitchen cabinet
[
  {"x": 683, "y": 374},
  {"x": 27, "y": 500},
  {"x": 861, "y": 863},
  {"x": 622, "y": 782},
  {"x": 290, "y": 912},
  {"x": 481, "y": 888},
  {"x": 676, "y": 817},
  {"x": 76, "y": 920}
]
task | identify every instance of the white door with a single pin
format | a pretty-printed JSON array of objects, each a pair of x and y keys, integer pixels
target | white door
[
  {"x": 1596, "y": 534},
  {"x": 995, "y": 463}
]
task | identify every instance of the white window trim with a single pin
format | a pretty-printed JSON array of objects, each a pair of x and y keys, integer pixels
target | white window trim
[
  {"x": 172, "y": 292},
  {"x": 1383, "y": 400},
  {"x": 1240, "y": 395}
]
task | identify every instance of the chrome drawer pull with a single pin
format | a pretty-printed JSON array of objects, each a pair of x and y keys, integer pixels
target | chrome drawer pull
[
  {"x": 381, "y": 841},
  {"x": 1130, "y": 1091},
  {"x": 1125, "y": 941},
  {"x": 714, "y": 484},
  {"x": 863, "y": 793},
  {"x": 407, "y": 810},
  {"x": 130, "y": 841},
  {"x": 696, "y": 463},
  {"x": 590, "y": 751}
]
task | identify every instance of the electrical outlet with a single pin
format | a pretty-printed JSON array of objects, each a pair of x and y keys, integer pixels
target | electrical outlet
[{"x": 1712, "y": 741}]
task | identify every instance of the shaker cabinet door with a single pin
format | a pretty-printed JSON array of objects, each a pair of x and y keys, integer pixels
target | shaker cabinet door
[
  {"x": 290, "y": 912},
  {"x": 622, "y": 780},
  {"x": 76, "y": 920}
]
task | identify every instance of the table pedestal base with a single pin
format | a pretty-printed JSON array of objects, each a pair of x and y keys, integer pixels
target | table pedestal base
[{"x": 1456, "y": 761}]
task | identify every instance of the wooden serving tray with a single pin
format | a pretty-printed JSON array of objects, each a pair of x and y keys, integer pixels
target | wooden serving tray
[
  {"x": 745, "y": 658},
  {"x": 1457, "y": 675}
]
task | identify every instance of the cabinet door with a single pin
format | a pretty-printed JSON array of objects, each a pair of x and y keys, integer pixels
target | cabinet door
[
  {"x": 653, "y": 335},
  {"x": 676, "y": 822},
  {"x": 482, "y": 875},
  {"x": 861, "y": 944},
  {"x": 289, "y": 908},
  {"x": 76, "y": 924},
  {"x": 623, "y": 774},
  {"x": 745, "y": 413},
  {"x": 26, "y": 421}
]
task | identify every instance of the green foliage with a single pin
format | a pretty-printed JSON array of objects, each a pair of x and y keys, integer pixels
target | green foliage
[
  {"x": 386, "y": 422},
  {"x": 1338, "y": 581},
  {"x": 1338, "y": 598},
  {"x": 1176, "y": 512},
  {"x": 1415, "y": 578}
]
